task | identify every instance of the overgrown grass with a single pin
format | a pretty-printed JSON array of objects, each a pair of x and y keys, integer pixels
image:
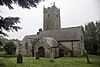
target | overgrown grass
[{"x": 59, "y": 62}]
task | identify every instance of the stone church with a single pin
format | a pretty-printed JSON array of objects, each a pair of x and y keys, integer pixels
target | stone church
[{"x": 53, "y": 39}]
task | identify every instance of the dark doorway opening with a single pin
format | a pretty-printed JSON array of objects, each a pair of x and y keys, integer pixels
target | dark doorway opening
[
  {"x": 61, "y": 52},
  {"x": 32, "y": 51},
  {"x": 41, "y": 52}
]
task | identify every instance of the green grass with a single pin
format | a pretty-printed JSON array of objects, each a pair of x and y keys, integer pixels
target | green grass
[
  {"x": 3, "y": 54},
  {"x": 59, "y": 62}
]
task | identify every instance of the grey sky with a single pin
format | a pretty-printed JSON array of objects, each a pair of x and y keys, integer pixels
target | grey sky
[{"x": 73, "y": 13}]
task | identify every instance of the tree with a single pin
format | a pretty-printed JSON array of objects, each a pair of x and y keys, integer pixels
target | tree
[
  {"x": 98, "y": 36},
  {"x": 2, "y": 43},
  {"x": 3, "y": 40},
  {"x": 21, "y": 3},
  {"x": 91, "y": 38},
  {"x": 1, "y": 46},
  {"x": 8, "y": 23},
  {"x": 10, "y": 48}
]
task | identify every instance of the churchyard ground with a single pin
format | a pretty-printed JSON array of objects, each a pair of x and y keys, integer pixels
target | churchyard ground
[{"x": 45, "y": 62}]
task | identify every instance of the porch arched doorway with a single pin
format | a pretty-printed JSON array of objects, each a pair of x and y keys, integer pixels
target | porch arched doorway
[{"x": 41, "y": 52}]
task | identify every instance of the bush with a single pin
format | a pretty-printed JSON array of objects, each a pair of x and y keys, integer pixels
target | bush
[
  {"x": 10, "y": 48},
  {"x": 98, "y": 52},
  {"x": 1, "y": 46}
]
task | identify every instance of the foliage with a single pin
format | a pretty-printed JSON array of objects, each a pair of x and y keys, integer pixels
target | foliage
[
  {"x": 21, "y": 3},
  {"x": 10, "y": 48},
  {"x": 1, "y": 43},
  {"x": 1, "y": 46},
  {"x": 98, "y": 52},
  {"x": 3, "y": 40},
  {"x": 8, "y": 24},
  {"x": 59, "y": 62},
  {"x": 98, "y": 36},
  {"x": 2, "y": 53},
  {"x": 92, "y": 37}
]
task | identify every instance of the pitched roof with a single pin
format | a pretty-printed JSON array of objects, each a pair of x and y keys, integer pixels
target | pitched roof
[
  {"x": 30, "y": 37},
  {"x": 50, "y": 41},
  {"x": 64, "y": 34}
]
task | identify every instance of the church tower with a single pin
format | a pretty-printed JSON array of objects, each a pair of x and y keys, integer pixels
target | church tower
[{"x": 51, "y": 18}]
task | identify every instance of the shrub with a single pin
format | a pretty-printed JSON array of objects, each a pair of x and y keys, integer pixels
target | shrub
[
  {"x": 1, "y": 46},
  {"x": 10, "y": 48},
  {"x": 98, "y": 52}
]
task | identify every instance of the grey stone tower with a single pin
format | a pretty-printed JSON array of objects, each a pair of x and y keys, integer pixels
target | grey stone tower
[{"x": 51, "y": 18}]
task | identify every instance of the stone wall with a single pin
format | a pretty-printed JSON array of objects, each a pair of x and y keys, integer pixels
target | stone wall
[
  {"x": 22, "y": 47},
  {"x": 47, "y": 49},
  {"x": 29, "y": 48},
  {"x": 28, "y": 51},
  {"x": 73, "y": 46},
  {"x": 51, "y": 18}
]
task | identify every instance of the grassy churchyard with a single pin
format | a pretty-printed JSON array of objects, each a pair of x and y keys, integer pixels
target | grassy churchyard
[{"x": 45, "y": 62}]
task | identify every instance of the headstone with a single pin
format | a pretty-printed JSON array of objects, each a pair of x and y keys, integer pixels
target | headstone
[
  {"x": 19, "y": 58},
  {"x": 86, "y": 54},
  {"x": 37, "y": 54},
  {"x": 52, "y": 55}
]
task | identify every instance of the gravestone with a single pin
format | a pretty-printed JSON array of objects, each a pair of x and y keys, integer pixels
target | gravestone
[
  {"x": 52, "y": 55},
  {"x": 86, "y": 54},
  {"x": 19, "y": 58},
  {"x": 37, "y": 54}
]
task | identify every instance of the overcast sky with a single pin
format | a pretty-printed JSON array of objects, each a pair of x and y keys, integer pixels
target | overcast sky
[{"x": 73, "y": 13}]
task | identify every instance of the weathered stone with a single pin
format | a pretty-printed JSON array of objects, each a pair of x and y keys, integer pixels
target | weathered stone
[
  {"x": 47, "y": 44},
  {"x": 51, "y": 18},
  {"x": 70, "y": 40},
  {"x": 52, "y": 55}
]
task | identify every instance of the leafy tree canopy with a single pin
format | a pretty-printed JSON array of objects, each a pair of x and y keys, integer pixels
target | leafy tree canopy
[
  {"x": 21, "y": 3},
  {"x": 92, "y": 37},
  {"x": 10, "y": 48},
  {"x": 9, "y": 23}
]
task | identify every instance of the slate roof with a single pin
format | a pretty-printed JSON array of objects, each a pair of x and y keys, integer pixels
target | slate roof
[
  {"x": 50, "y": 41},
  {"x": 64, "y": 34},
  {"x": 32, "y": 38}
]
